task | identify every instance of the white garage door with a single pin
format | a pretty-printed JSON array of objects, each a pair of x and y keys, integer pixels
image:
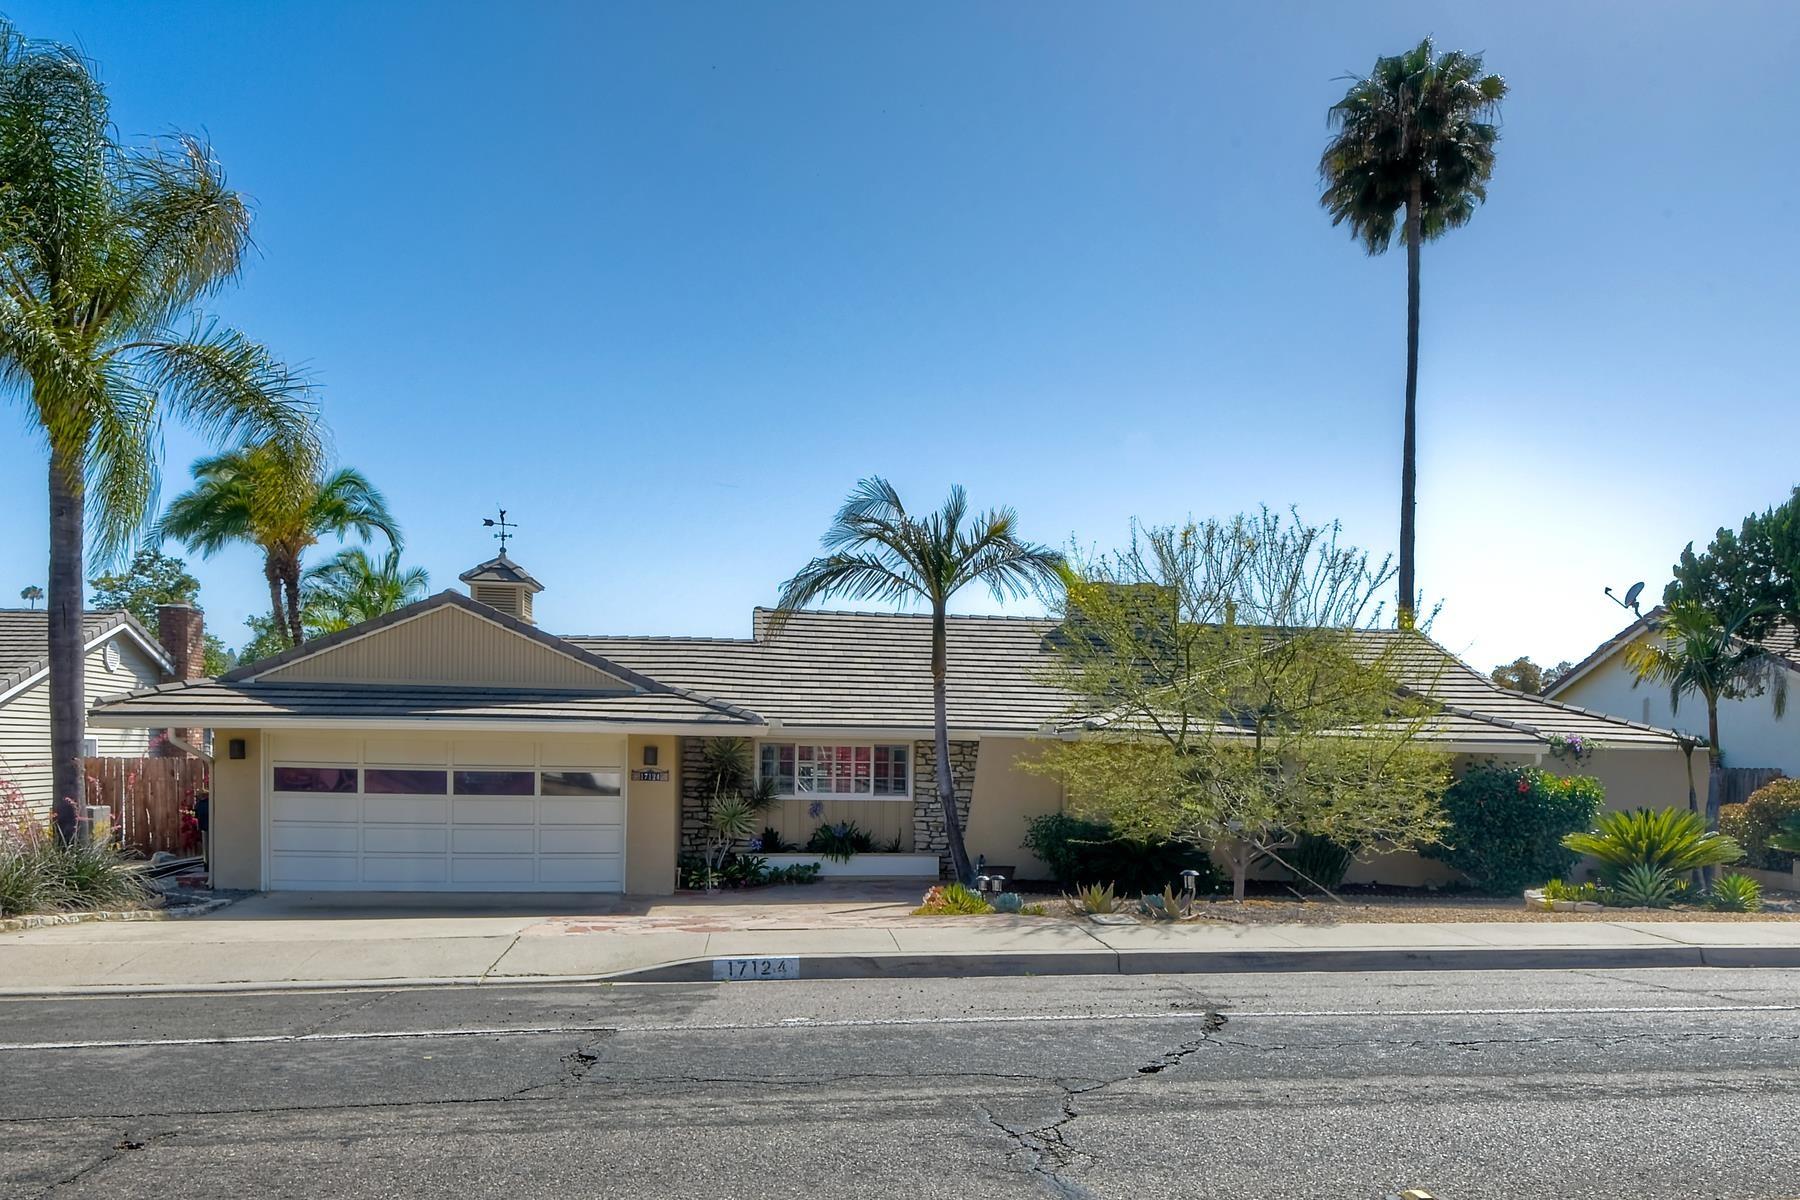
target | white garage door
[{"x": 495, "y": 829}]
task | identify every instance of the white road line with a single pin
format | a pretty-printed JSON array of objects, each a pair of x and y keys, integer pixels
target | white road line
[{"x": 882, "y": 1022}]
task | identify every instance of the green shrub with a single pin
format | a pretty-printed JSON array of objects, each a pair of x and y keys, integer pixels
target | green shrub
[
  {"x": 43, "y": 874},
  {"x": 91, "y": 875},
  {"x": 1735, "y": 893},
  {"x": 1787, "y": 838},
  {"x": 770, "y": 841},
  {"x": 1318, "y": 861},
  {"x": 1008, "y": 902},
  {"x": 1081, "y": 852},
  {"x": 838, "y": 842},
  {"x": 1668, "y": 839},
  {"x": 1507, "y": 824},
  {"x": 1644, "y": 886},
  {"x": 22, "y": 883},
  {"x": 1759, "y": 818}
]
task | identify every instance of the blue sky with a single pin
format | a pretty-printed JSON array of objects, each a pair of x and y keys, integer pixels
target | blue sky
[{"x": 665, "y": 280}]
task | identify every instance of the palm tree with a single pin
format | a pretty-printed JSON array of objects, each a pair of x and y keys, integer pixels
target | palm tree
[
  {"x": 31, "y": 594},
  {"x": 106, "y": 252},
  {"x": 353, "y": 587},
  {"x": 876, "y": 550},
  {"x": 1413, "y": 141},
  {"x": 1695, "y": 653},
  {"x": 281, "y": 505}
]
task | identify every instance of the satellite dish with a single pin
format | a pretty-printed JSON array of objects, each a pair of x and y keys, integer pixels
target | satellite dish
[{"x": 1631, "y": 595}]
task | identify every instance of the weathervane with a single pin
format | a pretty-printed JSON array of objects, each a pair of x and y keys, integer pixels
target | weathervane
[{"x": 502, "y": 528}]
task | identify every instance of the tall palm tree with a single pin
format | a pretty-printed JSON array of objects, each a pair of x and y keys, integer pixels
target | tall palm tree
[
  {"x": 31, "y": 594},
  {"x": 106, "y": 252},
  {"x": 1692, "y": 652},
  {"x": 876, "y": 550},
  {"x": 1414, "y": 147},
  {"x": 281, "y": 505},
  {"x": 353, "y": 587}
]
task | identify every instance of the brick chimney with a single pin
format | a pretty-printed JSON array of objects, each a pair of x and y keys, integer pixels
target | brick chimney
[{"x": 181, "y": 628}]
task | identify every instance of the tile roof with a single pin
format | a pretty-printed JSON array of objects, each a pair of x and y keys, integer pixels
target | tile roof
[
  {"x": 828, "y": 671},
  {"x": 840, "y": 670},
  {"x": 25, "y": 639},
  {"x": 220, "y": 704}
]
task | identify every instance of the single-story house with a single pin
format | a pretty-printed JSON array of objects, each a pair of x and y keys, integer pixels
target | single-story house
[
  {"x": 120, "y": 656},
  {"x": 454, "y": 746},
  {"x": 1750, "y": 732}
]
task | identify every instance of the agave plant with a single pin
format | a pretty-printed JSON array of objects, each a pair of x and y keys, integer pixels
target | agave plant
[
  {"x": 1735, "y": 892},
  {"x": 1170, "y": 906},
  {"x": 1096, "y": 898},
  {"x": 1669, "y": 839},
  {"x": 1645, "y": 886}
]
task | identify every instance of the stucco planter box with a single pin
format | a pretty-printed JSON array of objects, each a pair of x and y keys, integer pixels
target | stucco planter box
[
  {"x": 1534, "y": 900},
  {"x": 864, "y": 866}
]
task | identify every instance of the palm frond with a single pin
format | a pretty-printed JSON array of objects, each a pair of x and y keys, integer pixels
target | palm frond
[{"x": 231, "y": 388}]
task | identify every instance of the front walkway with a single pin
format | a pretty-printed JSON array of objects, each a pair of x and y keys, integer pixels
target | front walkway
[{"x": 318, "y": 939}]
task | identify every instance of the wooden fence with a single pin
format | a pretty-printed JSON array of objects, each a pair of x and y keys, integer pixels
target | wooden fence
[
  {"x": 147, "y": 796},
  {"x": 1736, "y": 783}
]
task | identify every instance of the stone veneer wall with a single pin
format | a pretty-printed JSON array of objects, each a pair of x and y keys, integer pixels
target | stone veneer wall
[
  {"x": 693, "y": 801},
  {"x": 929, "y": 835}
]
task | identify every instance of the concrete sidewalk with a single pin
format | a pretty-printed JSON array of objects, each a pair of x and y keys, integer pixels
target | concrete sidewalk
[{"x": 248, "y": 947}]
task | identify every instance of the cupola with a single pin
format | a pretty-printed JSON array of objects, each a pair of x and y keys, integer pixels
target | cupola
[{"x": 502, "y": 584}]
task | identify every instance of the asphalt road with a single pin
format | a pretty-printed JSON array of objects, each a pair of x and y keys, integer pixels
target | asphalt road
[{"x": 1492, "y": 1086}]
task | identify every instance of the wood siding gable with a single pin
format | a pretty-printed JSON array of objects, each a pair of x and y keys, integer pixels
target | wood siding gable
[{"x": 447, "y": 646}]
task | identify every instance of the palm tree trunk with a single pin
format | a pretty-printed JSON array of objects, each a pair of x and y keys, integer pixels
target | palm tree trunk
[
  {"x": 290, "y": 578},
  {"x": 1409, "y": 444},
  {"x": 277, "y": 612},
  {"x": 946, "y": 778},
  {"x": 68, "y": 712},
  {"x": 1715, "y": 771},
  {"x": 1715, "y": 778}
]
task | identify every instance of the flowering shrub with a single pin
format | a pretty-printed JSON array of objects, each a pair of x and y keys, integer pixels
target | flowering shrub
[
  {"x": 1759, "y": 818},
  {"x": 1573, "y": 748},
  {"x": 1507, "y": 824}
]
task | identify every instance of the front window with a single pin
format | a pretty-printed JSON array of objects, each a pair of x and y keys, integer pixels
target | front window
[{"x": 837, "y": 771}]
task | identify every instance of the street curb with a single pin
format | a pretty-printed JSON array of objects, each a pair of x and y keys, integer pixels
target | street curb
[
  {"x": 1201, "y": 962},
  {"x": 1017, "y": 964},
  {"x": 176, "y": 912}
]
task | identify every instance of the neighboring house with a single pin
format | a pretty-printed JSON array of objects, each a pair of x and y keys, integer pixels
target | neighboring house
[
  {"x": 453, "y": 746},
  {"x": 121, "y": 656},
  {"x": 1749, "y": 731}
]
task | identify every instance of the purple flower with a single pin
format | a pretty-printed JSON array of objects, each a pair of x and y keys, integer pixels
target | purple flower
[{"x": 816, "y": 809}]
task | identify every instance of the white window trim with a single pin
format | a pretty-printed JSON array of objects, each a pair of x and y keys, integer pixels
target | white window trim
[{"x": 847, "y": 797}]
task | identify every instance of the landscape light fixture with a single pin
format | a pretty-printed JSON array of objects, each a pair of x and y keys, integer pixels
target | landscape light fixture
[{"x": 1190, "y": 883}]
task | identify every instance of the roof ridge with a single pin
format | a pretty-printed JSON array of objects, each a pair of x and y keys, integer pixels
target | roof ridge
[{"x": 864, "y": 612}]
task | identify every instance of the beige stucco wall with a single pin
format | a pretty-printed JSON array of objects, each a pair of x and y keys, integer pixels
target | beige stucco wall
[
  {"x": 1005, "y": 799},
  {"x": 1647, "y": 778},
  {"x": 447, "y": 646},
  {"x": 652, "y": 819},
  {"x": 1749, "y": 731},
  {"x": 234, "y": 841}
]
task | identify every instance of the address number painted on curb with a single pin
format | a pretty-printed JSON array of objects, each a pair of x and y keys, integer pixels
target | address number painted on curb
[{"x": 756, "y": 968}]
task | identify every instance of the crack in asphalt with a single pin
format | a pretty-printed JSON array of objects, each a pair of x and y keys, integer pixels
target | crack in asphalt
[
  {"x": 1046, "y": 1148},
  {"x": 125, "y": 1145},
  {"x": 338, "y": 1014}
]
